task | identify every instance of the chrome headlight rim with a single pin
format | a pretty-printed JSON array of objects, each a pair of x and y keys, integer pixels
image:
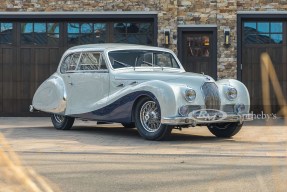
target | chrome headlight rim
[
  {"x": 230, "y": 92},
  {"x": 190, "y": 95}
]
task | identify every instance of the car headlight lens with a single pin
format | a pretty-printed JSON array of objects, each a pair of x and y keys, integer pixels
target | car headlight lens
[
  {"x": 230, "y": 93},
  {"x": 190, "y": 95}
]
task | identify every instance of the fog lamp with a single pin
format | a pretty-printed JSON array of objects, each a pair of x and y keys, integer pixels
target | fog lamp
[
  {"x": 239, "y": 108},
  {"x": 183, "y": 110}
]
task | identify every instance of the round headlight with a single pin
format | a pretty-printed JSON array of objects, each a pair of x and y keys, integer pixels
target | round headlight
[
  {"x": 190, "y": 95},
  {"x": 230, "y": 93}
]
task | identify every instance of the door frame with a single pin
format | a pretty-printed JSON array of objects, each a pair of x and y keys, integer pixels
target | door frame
[
  {"x": 198, "y": 28},
  {"x": 245, "y": 15}
]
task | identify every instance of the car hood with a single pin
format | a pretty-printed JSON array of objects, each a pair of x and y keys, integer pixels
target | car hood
[{"x": 173, "y": 77}]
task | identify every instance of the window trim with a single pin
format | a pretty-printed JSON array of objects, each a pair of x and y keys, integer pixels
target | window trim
[
  {"x": 6, "y": 33},
  {"x": 139, "y": 67},
  {"x": 33, "y": 34},
  {"x": 83, "y": 71},
  {"x": 268, "y": 34},
  {"x": 101, "y": 56}
]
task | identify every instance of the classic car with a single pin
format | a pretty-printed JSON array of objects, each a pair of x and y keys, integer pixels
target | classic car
[{"x": 139, "y": 86}]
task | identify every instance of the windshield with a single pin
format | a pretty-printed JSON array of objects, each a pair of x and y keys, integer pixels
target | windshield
[{"x": 142, "y": 58}]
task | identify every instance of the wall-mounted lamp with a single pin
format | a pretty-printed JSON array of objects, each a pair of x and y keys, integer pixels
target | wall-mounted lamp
[
  {"x": 227, "y": 37},
  {"x": 166, "y": 36}
]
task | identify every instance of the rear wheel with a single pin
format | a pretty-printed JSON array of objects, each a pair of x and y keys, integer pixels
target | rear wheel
[
  {"x": 147, "y": 120},
  {"x": 225, "y": 130},
  {"x": 61, "y": 122}
]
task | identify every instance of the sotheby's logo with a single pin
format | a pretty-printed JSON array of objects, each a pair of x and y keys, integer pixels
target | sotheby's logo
[{"x": 208, "y": 115}]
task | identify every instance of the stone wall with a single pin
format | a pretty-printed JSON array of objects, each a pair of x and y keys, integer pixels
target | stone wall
[
  {"x": 167, "y": 10},
  {"x": 170, "y": 14}
]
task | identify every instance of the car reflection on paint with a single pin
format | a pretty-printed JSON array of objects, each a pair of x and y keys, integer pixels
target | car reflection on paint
[{"x": 139, "y": 86}]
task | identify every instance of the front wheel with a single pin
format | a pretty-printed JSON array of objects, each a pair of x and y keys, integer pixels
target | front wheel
[
  {"x": 225, "y": 130},
  {"x": 147, "y": 120},
  {"x": 61, "y": 122}
]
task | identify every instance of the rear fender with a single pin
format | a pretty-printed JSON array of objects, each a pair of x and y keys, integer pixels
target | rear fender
[{"x": 51, "y": 96}]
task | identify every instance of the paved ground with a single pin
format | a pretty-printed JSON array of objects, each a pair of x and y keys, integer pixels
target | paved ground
[{"x": 111, "y": 158}]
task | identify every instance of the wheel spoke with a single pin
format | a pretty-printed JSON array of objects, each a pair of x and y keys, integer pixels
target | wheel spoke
[
  {"x": 150, "y": 116},
  {"x": 59, "y": 118}
]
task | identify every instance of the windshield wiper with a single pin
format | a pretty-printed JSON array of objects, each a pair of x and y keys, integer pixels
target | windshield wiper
[
  {"x": 123, "y": 64},
  {"x": 148, "y": 63}
]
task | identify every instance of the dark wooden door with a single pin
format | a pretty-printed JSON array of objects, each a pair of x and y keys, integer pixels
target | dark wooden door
[
  {"x": 263, "y": 37},
  {"x": 198, "y": 53},
  {"x": 8, "y": 79}
]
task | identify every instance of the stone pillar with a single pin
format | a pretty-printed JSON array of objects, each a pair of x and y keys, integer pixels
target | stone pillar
[
  {"x": 167, "y": 19},
  {"x": 227, "y": 56}
]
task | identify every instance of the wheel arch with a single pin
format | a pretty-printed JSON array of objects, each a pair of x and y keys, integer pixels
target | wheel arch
[
  {"x": 163, "y": 94},
  {"x": 138, "y": 99}
]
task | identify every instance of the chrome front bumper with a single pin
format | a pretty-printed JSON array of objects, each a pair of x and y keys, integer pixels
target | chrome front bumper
[{"x": 196, "y": 121}]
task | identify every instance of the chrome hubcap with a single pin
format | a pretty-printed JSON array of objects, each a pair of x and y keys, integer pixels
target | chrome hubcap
[
  {"x": 150, "y": 116},
  {"x": 59, "y": 118}
]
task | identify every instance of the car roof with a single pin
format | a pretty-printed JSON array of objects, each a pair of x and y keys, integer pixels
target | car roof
[{"x": 113, "y": 46}]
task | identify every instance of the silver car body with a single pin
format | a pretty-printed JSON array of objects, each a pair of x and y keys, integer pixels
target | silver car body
[{"x": 111, "y": 94}]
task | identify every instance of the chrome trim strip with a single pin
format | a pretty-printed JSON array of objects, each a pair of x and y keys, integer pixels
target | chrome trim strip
[{"x": 194, "y": 122}]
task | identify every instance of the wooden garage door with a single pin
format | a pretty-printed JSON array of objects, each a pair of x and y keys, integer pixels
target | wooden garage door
[
  {"x": 31, "y": 50},
  {"x": 260, "y": 37}
]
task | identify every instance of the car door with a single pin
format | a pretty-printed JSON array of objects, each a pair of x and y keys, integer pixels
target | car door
[{"x": 87, "y": 82}]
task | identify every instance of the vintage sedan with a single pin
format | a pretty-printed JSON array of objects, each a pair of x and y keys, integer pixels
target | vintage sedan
[{"x": 139, "y": 86}]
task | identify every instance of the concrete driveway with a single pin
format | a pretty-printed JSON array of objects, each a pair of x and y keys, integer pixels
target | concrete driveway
[{"x": 111, "y": 158}]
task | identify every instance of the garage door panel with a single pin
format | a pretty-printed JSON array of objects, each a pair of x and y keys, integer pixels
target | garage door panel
[
  {"x": 256, "y": 41},
  {"x": 42, "y": 69},
  {"x": 9, "y": 80},
  {"x": 26, "y": 64},
  {"x": 55, "y": 55},
  {"x": 1, "y": 81}
]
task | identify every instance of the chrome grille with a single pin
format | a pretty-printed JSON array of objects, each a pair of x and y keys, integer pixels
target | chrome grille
[
  {"x": 228, "y": 108},
  {"x": 194, "y": 107},
  {"x": 211, "y": 96}
]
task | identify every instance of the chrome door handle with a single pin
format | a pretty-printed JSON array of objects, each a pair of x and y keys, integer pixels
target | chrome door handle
[
  {"x": 121, "y": 85},
  {"x": 134, "y": 82}
]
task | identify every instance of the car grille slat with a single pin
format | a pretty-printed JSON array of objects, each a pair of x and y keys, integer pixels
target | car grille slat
[
  {"x": 211, "y": 96},
  {"x": 228, "y": 108}
]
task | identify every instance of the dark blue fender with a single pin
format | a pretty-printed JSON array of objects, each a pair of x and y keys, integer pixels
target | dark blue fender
[{"x": 119, "y": 111}]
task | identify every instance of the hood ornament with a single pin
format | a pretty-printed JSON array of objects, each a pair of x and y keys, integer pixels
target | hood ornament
[{"x": 207, "y": 78}]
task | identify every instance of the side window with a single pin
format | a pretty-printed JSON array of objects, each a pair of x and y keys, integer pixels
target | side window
[
  {"x": 70, "y": 63},
  {"x": 163, "y": 60},
  {"x": 92, "y": 61},
  {"x": 65, "y": 64},
  {"x": 74, "y": 61}
]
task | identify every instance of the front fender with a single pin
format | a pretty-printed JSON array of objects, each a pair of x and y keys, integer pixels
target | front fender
[
  {"x": 164, "y": 94},
  {"x": 243, "y": 94}
]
